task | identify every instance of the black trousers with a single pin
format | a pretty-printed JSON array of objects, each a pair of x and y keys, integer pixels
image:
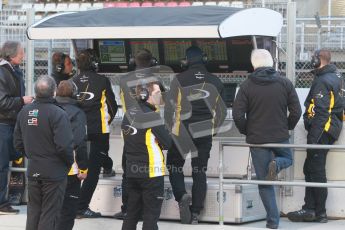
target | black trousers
[
  {"x": 175, "y": 164},
  {"x": 144, "y": 194},
  {"x": 44, "y": 205},
  {"x": 98, "y": 157},
  {"x": 315, "y": 171},
  {"x": 124, "y": 185},
  {"x": 70, "y": 204}
]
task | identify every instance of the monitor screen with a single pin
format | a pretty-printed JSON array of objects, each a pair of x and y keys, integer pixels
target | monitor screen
[
  {"x": 229, "y": 93},
  {"x": 175, "y": 50},
  {"x": 214, "y": 49},
  {"x": 151, "y": 45},
  {"x": 240, "y": 51},
  {"x": 112, "y": 51}
]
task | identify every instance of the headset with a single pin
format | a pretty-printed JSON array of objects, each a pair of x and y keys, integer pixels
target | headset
[
  {"x": 93, "y": 59},
  {"x": 315, "y": 59},
  {"x": 60, "y": 67},
  {"x": 186, "y": 62},
  {"x": 142, "y": 92},
  {"x": 75, "y": 90}
]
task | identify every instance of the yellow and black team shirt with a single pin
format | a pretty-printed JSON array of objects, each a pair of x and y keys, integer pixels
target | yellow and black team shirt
[
  {"x": 143, "y": 146},
  {"x": 324, "y": 104},
  {"x": 97, "y": 100},
  {"x": 189, "y": 92}
]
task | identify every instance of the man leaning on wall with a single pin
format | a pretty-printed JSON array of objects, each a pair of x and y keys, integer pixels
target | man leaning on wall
[
  {"x": 323, "y": 120},
  {"x": 260, "y": 112}
]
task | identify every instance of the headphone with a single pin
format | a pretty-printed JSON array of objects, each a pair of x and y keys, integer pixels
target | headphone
[
  {"x": 93, "y": 59},
  {"x": 60, "y": 67},
  {"x": 143, "y": 92},
  {"x": 75, "y": 91},
  {"x": 315, "y": 59},
  {"x": 185, "y": 62}
]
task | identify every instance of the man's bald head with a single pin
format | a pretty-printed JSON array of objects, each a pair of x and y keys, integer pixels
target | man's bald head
[{"x": 45, "y": 87}]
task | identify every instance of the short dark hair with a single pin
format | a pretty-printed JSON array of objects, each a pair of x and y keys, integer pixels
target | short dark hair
[
  {"x": 325, "y": 55},
  {"x": 9, "y": 50},
  {"x": 143, "y": 58},
  {"x": 84, "y": 60},
  {"x": 45, "y": 87}
]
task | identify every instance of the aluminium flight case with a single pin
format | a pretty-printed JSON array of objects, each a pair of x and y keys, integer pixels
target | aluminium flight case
[{"x": 242, "y": 203}]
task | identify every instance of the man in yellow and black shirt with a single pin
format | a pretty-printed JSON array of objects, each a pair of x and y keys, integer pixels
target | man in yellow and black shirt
[
  {"x": 145, "y": 164},
  {"x": 323, "y": 120},
  {"x": 97, "y": 100}
]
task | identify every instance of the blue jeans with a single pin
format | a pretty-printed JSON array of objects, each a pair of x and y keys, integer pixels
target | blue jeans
[
  {"x": 6, "y": 153},
  {"x": 261, "y": 159}
]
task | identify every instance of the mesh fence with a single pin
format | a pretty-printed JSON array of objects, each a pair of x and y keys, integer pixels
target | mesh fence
[{"x": 310, "y": 37}]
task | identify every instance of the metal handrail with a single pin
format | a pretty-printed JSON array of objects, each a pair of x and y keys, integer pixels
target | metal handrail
[
  {"x": 16, "y": 169},
  {"x": 226, "y": 142}
]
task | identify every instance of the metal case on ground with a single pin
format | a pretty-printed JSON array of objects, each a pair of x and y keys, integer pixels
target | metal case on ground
[{"x": 242, "y": 203}]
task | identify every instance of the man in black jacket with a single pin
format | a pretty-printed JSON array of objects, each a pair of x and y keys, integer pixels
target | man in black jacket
[
  {"x": 145, "y": 166},
  {"x": 97, "y": 100},
  {"x": 12, "y": 99},
  {"x": 43, "y": 133},
  {"x": 260, "y": 112},
  {"x": 66, "y": 97},
  {"x": 62, "y": 67},
  {"x": 323, "y": 120},
  {"x": 195, "y": 100}
]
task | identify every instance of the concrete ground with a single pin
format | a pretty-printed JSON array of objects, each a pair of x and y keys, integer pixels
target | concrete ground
[{"x": 17, "y": 222}]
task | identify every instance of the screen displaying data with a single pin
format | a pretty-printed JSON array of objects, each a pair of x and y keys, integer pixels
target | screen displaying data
[
  {"x": 175, "y": 50},
  {"x": 151, "y": 45},
  {"x": 214, "y": 49},
  {"x": 112, "y": 52}
]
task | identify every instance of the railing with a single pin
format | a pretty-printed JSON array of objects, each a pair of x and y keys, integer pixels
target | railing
[{"x": 227, "y": 142}]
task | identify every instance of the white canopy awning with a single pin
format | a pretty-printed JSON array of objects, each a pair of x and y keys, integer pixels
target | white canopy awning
[{"x": 160, "y": 22}]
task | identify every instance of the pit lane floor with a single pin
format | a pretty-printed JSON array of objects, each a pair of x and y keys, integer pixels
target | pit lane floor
[{"x": 17, "y": 222}]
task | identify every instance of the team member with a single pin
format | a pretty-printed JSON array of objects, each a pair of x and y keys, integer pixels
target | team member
[
  {"x": 66, "y": 97},
  {"x": 62, "y": 67},
  {"x": 12, "y": 99},
  {"x": 43, "y": 133},
  {"x": 191, "y": 84},
  {"x": 143, "y": 60},
  {"x": 145, "y": 166},
  {"x": 97, "y": 100},
  {"x": 260, "y": 113},
  {"x": 323, "y": 120}
]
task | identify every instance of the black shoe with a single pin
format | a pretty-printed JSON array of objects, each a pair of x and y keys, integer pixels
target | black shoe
[
  {"x": 88, "y": 213},
  {"x": 108, "y": 173},
  {"x": 8, "y": 210},
  {"x": 195, "y": 218},
  {"x": 120, "y": 215},
  {"x": 302, "y": 215},
  {"x": 272, "y": 226},
  {"x": 272, "y": 174},
  {"x": 322, "y": 218},
  {"x": 183, "y": 204}
]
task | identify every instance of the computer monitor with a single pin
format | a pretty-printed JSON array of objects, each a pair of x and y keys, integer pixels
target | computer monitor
[
  {"x": 112, "y": 51},
  {"x": 230, "y": 93}
]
